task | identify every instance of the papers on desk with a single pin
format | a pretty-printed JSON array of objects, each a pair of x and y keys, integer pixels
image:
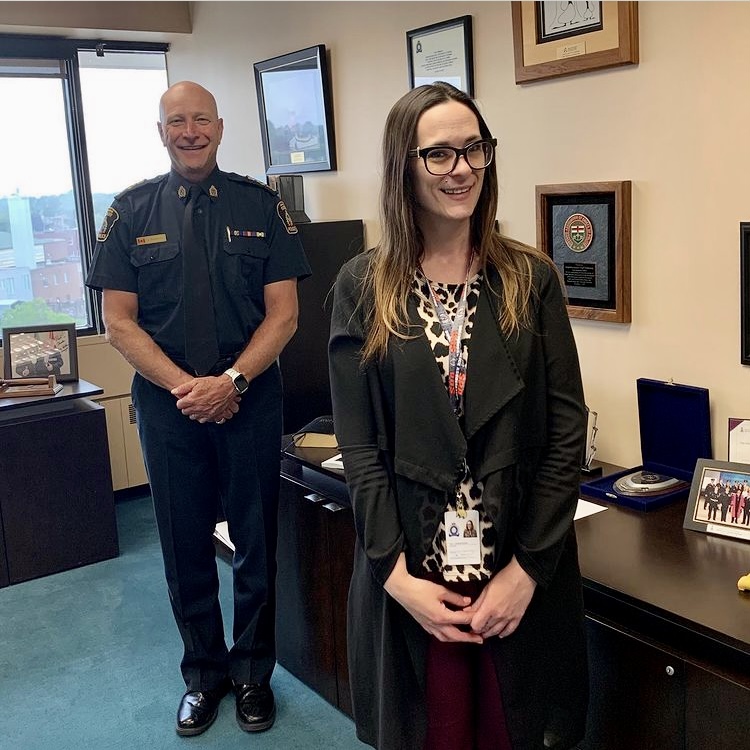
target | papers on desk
[
  {"x": 585, "y": 508},
  {"x": 221, "y": 532},
  {"x": 334, "y": 462}
]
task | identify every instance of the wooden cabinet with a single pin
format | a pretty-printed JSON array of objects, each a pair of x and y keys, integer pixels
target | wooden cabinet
[
  {"x": 56, "y": 501},
  {"x": 126, "y": 457},
  {"x": 644, "y": 696},
  {"x": 669, "y": 634},
  {"x": 315, "y": 554},
  {"x": 637, "y": 697},
  {"x": 717, "y": 710}
]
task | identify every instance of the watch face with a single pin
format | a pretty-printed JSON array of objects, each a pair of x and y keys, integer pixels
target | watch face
[{"x": 241, "y": 384}]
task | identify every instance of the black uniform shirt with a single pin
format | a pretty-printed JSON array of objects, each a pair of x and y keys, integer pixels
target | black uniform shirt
[{"x": 251, "y": 241}]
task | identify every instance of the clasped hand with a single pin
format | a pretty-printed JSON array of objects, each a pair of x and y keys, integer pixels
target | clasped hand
[
  {"x": 497, "y": 611},
  {"x": 207, "y": 399}
]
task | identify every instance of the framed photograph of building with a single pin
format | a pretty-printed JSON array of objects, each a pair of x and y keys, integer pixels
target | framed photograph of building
[
  {"x": 585, "y": 229},
  {"x": 719, "y": 501},
  {"x": 40, "y": 351},
  {"x": 296, "y": 112},
  {"x": 552, "y": 39},
  {"x": 442, "y": 52}
]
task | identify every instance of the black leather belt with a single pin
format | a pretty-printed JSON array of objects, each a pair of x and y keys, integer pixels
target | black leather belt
[{"x": 221, "y": 365}]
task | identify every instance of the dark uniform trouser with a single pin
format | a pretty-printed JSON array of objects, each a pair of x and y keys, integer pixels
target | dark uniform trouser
[{"x": 191, "y": 468}]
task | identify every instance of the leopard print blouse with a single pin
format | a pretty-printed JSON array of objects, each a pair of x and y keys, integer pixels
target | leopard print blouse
[{"x": 450, "y": 296}]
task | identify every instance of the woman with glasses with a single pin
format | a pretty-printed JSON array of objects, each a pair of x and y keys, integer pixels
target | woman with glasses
[{"x": 457, "y": 400}]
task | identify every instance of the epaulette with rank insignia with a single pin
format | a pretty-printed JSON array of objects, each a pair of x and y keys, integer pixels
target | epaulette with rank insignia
[
  {"x": 250, "y": 181},
  {"x": 140, "y": 184}
]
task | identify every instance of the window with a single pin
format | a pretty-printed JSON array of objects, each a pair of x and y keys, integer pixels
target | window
[
  {"x": 122, "y": 141},
  {"x": 83, "y": 129}
]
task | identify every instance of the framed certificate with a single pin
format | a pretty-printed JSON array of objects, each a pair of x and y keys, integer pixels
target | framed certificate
[
  {"x": 585, "y": 229},
  {"x": 442, "y": 52},
  {"x": 739, "y": 440},
  {"x": 559, "y": 39}
]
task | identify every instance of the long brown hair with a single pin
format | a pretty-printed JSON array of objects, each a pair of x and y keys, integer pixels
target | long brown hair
[{"x": 394, "y": 259}]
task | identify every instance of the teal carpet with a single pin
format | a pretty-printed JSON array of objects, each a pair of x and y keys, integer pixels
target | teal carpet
[{"x": 89, "y": 658}]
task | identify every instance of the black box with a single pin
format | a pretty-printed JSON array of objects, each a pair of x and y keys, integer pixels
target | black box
[{"x": 675, "y": 427}]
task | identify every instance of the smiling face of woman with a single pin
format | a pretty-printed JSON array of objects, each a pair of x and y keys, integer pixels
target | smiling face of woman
[{"x": 452, "y": 197}]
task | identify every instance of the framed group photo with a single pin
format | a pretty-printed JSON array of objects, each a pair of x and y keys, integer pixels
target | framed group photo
[
  {"x": 552, "y": 39},
  {"x": 442, "y": 52},
  {"x": 585, "y": 229},
  {"x": 40, "y": 351},
  {"x": 296, "y": 112},
  {"x": 719, "y": 501}
]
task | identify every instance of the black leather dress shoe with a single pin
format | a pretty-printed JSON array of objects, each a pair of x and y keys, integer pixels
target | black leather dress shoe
[
  {"x": 256, "y": 708},
  {"x": 198, "y": 710}
]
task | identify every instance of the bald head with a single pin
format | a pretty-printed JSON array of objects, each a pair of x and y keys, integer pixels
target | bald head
[
  {"x": 191, "y": 129},
  {"x": 178, "y": 91}
]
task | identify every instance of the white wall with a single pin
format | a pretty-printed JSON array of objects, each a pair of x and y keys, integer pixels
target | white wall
[{"x": 676, "y": 125}]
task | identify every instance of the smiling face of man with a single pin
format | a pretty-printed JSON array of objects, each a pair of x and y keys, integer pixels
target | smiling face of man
[{"x": 190, "y": 129}]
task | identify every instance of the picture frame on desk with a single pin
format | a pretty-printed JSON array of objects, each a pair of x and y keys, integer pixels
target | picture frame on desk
[
  {"x": 296, "y": 112},
  {"x": 41, "y": 350},
  {"x": 442, "y": 52},
  {"x": 561, "y": 39},
  {"x": 719, "y": 500},
  {"x": 585, "y": 228}
]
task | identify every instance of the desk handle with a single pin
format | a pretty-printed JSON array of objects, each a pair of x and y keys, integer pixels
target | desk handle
[
  {"x": 670, "y": 670},
  {"x": 314, "y": 497}
]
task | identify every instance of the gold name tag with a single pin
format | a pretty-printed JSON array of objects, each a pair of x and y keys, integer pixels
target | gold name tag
[{"x": 151, "y": 239}]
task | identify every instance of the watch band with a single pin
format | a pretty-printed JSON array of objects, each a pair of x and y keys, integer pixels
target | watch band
[{"x": 239, "y": 381}]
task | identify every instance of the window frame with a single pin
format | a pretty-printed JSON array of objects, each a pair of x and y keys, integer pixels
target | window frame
[{"x": 65, "y": 50}]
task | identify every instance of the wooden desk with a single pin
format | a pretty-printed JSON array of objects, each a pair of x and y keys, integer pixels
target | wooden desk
[
  {"x": 56, "y": 500},
  {"x": 669, "y": 634}
]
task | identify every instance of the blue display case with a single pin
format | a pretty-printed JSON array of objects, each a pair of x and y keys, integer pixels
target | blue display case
[{"x": 675, "y": 429}]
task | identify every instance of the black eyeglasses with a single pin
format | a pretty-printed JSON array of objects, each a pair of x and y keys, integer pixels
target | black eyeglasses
[{"x": 442, "y": 160}]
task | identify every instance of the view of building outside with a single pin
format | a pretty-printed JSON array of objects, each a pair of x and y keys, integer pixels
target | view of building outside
[{"x": 41, "y": 260}]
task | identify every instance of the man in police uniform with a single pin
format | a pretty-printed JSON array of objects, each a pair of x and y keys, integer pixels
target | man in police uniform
[{"x": 209, "y": 422}]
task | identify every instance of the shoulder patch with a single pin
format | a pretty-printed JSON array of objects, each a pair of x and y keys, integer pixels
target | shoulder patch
[
  {"x": 110, "y": 218},
  {"x": 289, "y": 225},
  {"x": 246, "y": 179}
]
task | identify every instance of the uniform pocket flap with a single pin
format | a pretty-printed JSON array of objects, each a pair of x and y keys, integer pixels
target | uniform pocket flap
[
  {"x": 147, "y": 254},
  {"x": 253, "y": 246}
]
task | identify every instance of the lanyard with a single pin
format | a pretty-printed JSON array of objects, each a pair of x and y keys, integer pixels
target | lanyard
[{"x": 453, "y": 330}]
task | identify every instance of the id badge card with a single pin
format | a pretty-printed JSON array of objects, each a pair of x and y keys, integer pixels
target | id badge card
[{"x": 462, "y": 544}]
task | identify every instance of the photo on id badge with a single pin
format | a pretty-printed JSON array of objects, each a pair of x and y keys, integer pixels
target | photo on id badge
[{"x": 462, "y": 538}]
